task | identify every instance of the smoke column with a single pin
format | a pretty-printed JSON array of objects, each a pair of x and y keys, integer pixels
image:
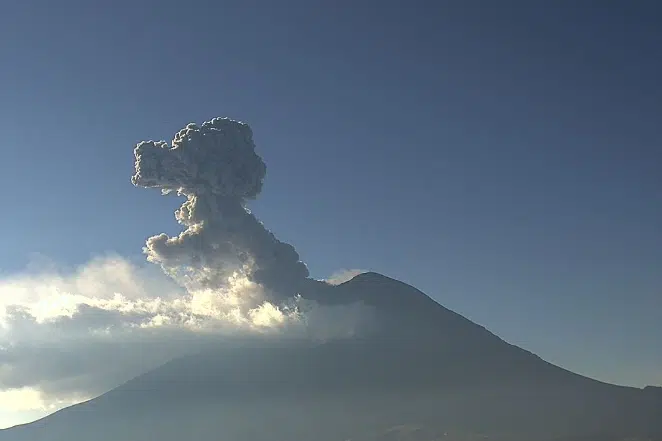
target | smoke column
[{"x": 216, "y": 168}]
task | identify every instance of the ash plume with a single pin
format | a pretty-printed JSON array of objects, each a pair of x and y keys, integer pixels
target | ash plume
[
  {"x": 216, "y": 168},
  {"x": 70, "y": 334}
]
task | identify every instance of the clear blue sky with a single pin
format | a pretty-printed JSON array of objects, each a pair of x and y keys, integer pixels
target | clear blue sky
[{"x": 504, "y": 157}]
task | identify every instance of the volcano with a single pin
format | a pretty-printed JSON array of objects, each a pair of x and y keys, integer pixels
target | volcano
[{"x": 422, "y": 373}]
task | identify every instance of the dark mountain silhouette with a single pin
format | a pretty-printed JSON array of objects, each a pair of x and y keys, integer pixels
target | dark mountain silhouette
[{"x": 424, "y": 373}]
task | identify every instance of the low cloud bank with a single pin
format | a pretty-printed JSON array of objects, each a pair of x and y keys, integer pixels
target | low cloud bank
[{"x": 69, "y": 336}]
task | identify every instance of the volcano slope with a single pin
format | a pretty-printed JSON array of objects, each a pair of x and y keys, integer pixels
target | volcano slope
[{"x": 422, "y": 373}]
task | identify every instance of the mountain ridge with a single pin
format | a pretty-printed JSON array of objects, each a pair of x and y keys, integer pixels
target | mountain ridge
[{"x": 425, "y": 362}]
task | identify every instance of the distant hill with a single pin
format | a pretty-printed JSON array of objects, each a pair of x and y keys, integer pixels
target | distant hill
[{"x": 425, "y": 373}]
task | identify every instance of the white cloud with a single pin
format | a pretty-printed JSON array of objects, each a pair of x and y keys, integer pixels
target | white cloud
[
  {"x": 69, "y": 336},
  {"x": 343, "y": 276},
  {"x": 21, "y": 400},
  {"x": 18, "y": 406},
  {"x": 31, "y": 399}
]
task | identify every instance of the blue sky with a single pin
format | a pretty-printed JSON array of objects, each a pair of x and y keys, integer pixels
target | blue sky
[{"x": 503, "y": 157}]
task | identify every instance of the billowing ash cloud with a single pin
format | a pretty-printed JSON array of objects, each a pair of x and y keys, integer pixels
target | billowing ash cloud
[
  {"x": 215, "y": 166},
  {"x": 66, "y": 336}
]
